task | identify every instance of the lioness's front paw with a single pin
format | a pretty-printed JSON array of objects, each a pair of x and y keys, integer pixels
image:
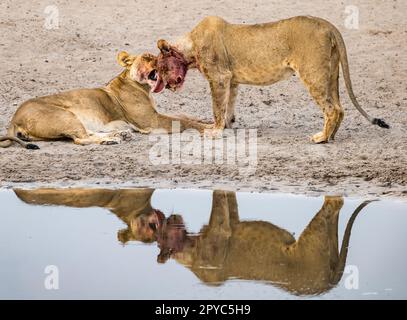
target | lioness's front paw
[
  {"x": 124, "y": 135},
  {"x": 228, "y": 124},
  {"x": 110, "y": 141},
  {"x": 229, "y": 121},
  {"x": 214, "y": 133},
  {"x": 319, "y": 138}
]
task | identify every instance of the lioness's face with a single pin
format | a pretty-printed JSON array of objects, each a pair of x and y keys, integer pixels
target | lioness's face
[
  {"x": 143, "y": 69},
  {"x": 143, "y": 228},
  {"x": 172, "y": 66}
]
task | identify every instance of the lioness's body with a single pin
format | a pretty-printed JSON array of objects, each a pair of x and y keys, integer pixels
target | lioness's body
[
  {"x": 262, "y": 54},
  {"x": 132, "y": 206},
  {"x": 93, "y": 115}
]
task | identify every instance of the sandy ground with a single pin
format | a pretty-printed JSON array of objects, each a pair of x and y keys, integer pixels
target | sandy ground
[{"x": 363, "y": 161}]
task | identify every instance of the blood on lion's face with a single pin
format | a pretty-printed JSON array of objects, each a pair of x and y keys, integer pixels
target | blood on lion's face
[
  {"x": 172, "y": 66},
  {"x": 171, "y": 237}
]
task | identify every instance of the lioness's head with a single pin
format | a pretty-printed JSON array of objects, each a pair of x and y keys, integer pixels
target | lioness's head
[
  {"x": 142, "y": 68},
  {"x": 172, "y": 66},
  {"x": 142, "y": 228}
]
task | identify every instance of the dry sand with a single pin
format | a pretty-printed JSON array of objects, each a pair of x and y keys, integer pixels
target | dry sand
[{"x": 363, "y": 161}]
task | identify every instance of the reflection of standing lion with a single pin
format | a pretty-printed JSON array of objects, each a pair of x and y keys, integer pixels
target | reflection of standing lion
[
  {"x": 228, "y": 248},
  {"x": 100, "y": 115},
  {"x": 262, "y": 54}
]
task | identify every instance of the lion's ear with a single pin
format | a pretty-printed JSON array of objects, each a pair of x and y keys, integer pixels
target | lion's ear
[
  {"x": 164, "y": 46},
  {"x": 163, "y": 256},
  {"x": 123, "y": 236},
  {"x": 124, "y": 59}
]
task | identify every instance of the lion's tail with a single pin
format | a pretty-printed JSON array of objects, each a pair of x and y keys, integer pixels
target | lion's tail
[
  {"x": 7, "y": 141},
  {"x": 345, "y": 69},
  {"x": 345, "y": 244}
]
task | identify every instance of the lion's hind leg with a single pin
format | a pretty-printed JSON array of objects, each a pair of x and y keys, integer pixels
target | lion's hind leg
[
  {"x": 320, "y": 76},
  {"x": 104, "y": 138},
  {"x": 119, "y": 129},
  {"x": 332, "y": 110},
  {"x": 331, "y": 123},
  {"x": 335, "y": 98},
  {"x": 316, "y": 251},
  {"x": 44, "y": 122},
  {"x": 334, "y": 88}
]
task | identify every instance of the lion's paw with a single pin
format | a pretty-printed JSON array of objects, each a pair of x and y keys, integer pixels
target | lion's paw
[
  {"x": 124, "y": 135},
  {"x": 319, "y": 138},
  {"x": 214, "y": 133},
  {"x": 110, "y": 141}
]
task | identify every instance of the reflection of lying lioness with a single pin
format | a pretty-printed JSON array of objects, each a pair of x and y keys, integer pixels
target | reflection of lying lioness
[
  {"x": 132, "y": 206},
  {"x": 97, "y": 115},
  {"x": 257, "y": 250}
]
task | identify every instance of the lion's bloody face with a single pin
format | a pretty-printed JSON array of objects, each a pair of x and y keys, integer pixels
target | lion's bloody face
[
  {"x": 172, "y": 66},
  {"x": 171, "y": 237}
]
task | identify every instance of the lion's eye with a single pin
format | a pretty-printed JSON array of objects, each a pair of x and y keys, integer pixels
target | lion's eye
[{"x": 152, "y": 75}]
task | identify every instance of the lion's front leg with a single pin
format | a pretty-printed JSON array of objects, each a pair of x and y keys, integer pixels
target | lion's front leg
[
  {"x": 220, "y": 89},
  {"x": 185, "y": 122},
  {"x": 230, "y": 111},
  {"x": 224, "y": 213}
]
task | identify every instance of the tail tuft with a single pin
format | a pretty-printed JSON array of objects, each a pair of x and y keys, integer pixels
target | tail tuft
[
  {"x": 380, "y": 123},
  {"x": 32, "y": 146}
]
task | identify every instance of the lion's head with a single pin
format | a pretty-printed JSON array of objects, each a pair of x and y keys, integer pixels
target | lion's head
[
  {"x": 172, "y": 66},
  {"x": 143, "y": 69},
  {"x": 143, "y": 227}
]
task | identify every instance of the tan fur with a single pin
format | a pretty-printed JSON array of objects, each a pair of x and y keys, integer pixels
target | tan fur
[
  {"x": 132, "y": 206},
  {"x": 227, "y": 247},
  {"x": 257, "y": 250},
  {"x": 262, "y": 54},
  {"x": 99, "y": 115}
]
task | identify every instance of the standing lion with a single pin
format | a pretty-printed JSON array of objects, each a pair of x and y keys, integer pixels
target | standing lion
[{"x": 262, "y": 54}]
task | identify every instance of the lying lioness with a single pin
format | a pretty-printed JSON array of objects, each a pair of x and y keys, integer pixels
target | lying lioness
[
  {"x": 262, "y": 54},
  {"x": 97, "y": 115}
]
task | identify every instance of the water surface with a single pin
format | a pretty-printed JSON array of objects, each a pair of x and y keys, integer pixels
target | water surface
[{"x": 190, "y": 244}]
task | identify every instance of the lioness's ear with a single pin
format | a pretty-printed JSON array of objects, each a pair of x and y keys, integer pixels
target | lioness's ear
[
  {"x": 123, "y": 235},
  {"x": 124, "y": 59},
  {"x": 164, "y": 46}
]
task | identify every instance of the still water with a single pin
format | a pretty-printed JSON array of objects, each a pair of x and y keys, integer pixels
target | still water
[{"x": 195, "y": 244}]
